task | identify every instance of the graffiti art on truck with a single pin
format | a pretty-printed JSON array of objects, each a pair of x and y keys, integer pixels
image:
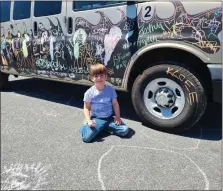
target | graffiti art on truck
[
  {"x": 16, "y": 48},
  {"x": 112, "y": 44}
]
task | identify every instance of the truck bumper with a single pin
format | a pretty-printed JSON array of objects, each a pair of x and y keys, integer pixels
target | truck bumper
[{"x": 216, "y": 76}]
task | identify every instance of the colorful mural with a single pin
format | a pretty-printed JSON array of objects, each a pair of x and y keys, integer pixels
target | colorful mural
[{"x": 54, "y": 54}]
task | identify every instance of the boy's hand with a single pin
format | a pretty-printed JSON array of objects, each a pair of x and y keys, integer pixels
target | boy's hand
[
  {"x": 118, "y": 120},
  {"x": 91, "y": 123}
]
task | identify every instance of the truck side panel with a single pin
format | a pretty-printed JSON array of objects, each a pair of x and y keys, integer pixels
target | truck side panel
[{"x": 134, "y": 27}]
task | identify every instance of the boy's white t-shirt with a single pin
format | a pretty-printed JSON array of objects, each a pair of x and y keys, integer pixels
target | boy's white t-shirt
[{"x": 101, "y": 101}]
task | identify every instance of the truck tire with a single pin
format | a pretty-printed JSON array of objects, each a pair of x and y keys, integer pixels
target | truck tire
[
  {"x": 4, "y": 78},
  {"x": 169, "y": 98}
]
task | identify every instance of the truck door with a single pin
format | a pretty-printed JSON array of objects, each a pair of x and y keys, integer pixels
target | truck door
[
  {"x": 49, "y": 21},
  {"x": 98, "y": 32}
]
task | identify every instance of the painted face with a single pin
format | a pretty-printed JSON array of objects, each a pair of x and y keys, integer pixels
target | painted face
[
  {"x": 41, "y": 25},
  {"x": 44, "y": 35},
  {"x": 80, "y": 36}
]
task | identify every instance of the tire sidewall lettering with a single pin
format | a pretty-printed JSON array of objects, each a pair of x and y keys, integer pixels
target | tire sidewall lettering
[{"x": 178, "y": 75}]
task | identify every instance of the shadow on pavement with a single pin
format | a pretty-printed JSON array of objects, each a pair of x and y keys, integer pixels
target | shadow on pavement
[{"x": 70, "y": 94}]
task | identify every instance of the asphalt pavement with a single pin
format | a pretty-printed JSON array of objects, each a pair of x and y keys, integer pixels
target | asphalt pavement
[{"x": 41, "y": 147}]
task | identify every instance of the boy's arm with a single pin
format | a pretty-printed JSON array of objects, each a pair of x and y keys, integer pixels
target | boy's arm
[
  {"x": 115, "y": 104},
  {"x": 87, "y": 108},
  {"x": 116, "y": 108}
]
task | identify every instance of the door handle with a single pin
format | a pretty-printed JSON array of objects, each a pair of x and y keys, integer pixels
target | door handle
[
  {"x": 35, "y": 28},
  {"x": 70, "y": 25}
]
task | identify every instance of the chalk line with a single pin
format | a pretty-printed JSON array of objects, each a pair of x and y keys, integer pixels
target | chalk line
[
  {"x": 99, "y": 168},
  {"x": 112, "y": 147},
  {"x": 172, "y": 147}
]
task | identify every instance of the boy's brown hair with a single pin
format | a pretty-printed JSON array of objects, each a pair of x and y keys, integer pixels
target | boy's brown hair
[{"x": 97, "y": 69}]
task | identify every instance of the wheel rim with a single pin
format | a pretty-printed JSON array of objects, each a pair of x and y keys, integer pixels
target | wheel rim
[{"x": 164, "y": 98}]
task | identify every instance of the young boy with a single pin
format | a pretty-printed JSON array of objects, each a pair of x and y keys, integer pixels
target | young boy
[{"x": 99, "y": 102}]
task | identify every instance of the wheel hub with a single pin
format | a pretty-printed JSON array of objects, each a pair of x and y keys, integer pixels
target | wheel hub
[{"x": 164, "y": 97}]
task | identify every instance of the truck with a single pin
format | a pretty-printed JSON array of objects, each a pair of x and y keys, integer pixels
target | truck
[{"x": 166, "y": 54}]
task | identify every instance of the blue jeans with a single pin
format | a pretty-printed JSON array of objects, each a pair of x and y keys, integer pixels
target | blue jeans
[{"x": 102, "y": 124}]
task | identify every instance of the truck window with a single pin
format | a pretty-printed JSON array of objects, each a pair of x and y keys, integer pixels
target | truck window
[
  {"x": 21, "y": 10},
  {"x": 5, "y": 11},
  {"x": 78, "y": 5},
  {"x": 45, "y": 8}
]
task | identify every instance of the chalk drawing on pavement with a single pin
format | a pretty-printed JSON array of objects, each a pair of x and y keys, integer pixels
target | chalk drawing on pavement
[
  {"x": 24, "y": 176},
  {"x": 185, "y": 157}
]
